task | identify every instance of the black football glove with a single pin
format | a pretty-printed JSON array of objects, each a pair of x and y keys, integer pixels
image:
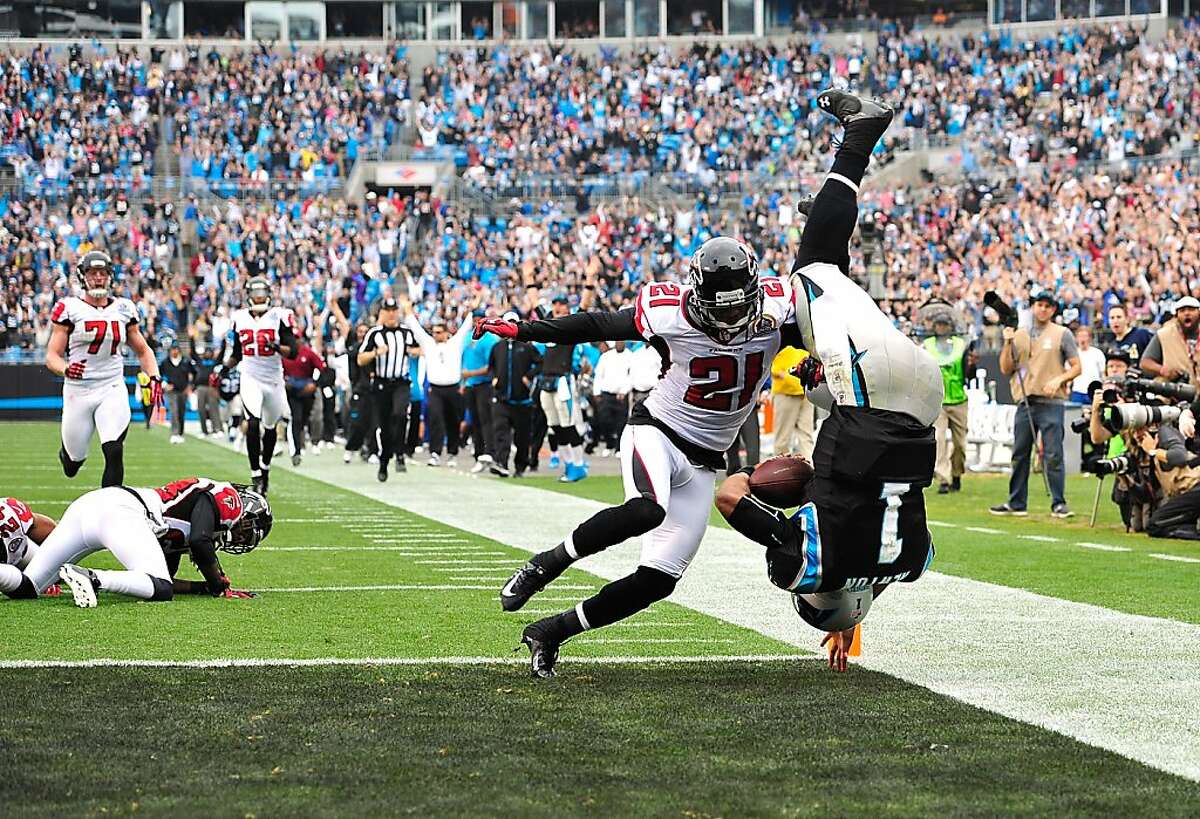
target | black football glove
[{"x": 810, "y": 372}]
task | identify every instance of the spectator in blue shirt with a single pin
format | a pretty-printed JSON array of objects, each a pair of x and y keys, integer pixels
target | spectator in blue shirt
[{"x": 478, "y": 386}]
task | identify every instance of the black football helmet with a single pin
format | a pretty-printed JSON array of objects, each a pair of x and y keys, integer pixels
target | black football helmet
[
  {"x": 95, "y": 271},
  {"x": 258, "y": 295},
  {"x": 253, "y": 526},
  {"x": 725, "y": 299}
]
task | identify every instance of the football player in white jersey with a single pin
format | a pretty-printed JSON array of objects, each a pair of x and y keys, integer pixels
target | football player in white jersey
[
  {"x": 262, "y": 336},
  {"x": 22, "y": 531},
  {"x": 716, "y": 335},
  {"x": 85, "y": 349},
  {"x": 861, "y": 523},
  {"x": 142, "y": 528}
]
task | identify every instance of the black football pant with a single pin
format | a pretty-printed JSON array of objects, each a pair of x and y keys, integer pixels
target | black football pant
[
  {"x": 512, "y": 422},
  {"x": 360, "y": 421},
  {"x": 329, "y": 416},
  {"x": 538, "y": 427},
  {"x": 389, "y": 400},
  {"x": 301, "y": 406},
  {"x": 445, "y": 415},
  {"x": 479, "y": 403},
  {"x": 415, "y": 408},
  {"x": 611, "y": 414}
]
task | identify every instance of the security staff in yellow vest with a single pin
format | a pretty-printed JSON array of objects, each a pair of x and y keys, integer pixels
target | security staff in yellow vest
[
  {"x": 1042, "y": 362},
  {"x": 956, "y": 359},
  {"x": 1172, "y": 355},
  {"x": 795, "y": 416}
]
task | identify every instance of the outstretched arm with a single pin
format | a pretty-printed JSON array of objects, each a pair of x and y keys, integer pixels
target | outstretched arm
[{"x": 576, "y": 329}]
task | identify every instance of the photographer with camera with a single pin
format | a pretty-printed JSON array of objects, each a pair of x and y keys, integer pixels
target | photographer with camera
[
  {"x": 1042, "y": 362},
  {"x": 1117, "y": 454},
  {"x": 1172, "y": 355}
]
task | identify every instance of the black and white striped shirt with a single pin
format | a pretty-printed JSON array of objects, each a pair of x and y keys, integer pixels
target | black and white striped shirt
[{"x": 394, "y": 363}]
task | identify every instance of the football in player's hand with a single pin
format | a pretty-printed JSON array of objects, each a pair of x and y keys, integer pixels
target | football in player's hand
[{"x": 781, "y": 481}]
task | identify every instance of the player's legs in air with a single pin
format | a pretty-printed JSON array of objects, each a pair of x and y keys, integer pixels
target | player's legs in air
[
  {"x": 666, "y": 499},
  {"x": 833, "y": 213}
]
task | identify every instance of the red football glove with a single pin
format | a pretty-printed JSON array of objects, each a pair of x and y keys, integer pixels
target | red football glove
[
  {"x": 156, "y": 391},
  {"x": 810, "y": 372},
  {"x": 495, "y": 326},
  {"x": 234, "y": 594},
  {"x": 53, "y": 590},
  {"x": 75, "y": 370}
]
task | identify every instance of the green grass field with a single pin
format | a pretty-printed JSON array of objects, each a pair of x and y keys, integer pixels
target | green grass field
[{"x": 432, "y": 714}]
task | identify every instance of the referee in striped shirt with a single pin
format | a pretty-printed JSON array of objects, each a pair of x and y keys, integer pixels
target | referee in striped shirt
[{"x": 385, "y": 350}]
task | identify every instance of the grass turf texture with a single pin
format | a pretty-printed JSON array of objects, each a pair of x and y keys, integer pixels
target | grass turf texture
[
  {"x": 778, "y": 738},
  {"x": 1129, "y": 581},
  {"x": 718, "y": 740}
]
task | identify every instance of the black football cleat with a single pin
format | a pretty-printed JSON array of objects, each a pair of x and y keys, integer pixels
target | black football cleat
[
  {"x": 382, "y": 474},
  {"x": 543, "y": 652},
  {"x": 260, "y": 483},
  {"x": 848, "y": 109},
  {"x": 70, "y": 468},
  {"x": 524, "y": 583},
  {"x": 805, "y": 204}
]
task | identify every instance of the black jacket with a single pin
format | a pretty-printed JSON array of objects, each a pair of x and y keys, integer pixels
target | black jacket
[
  {"x": 181, "y": 375},
  {"x": 514, "y": 365}
]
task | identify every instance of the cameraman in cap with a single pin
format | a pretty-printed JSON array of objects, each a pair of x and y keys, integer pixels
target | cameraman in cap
[
  {"x": 1133, "y": 489},
  {"x": 1172, "y": 354},
  {"x": 1042, "y": 362}
]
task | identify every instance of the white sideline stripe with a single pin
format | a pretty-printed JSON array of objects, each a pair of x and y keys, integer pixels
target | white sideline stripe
[
  {"x": 983, "y": 530},
  {"x": 254, "y": 662},
  {"x": 403, "y": 551},
  {"x": 943, "y": 524},
  {"x": 471, "y": 563},
  {"x": 396, "y": 587},
  {"x": 660, "y": 640},
  {"x": 1122, "y": 682},
  {"x": 1041, "y": 538},
  {"x": 1176, "y": 558},
  {"x": 1103, "y": 547}
]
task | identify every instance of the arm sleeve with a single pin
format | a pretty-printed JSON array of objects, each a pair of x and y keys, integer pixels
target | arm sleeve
[
  {"x": 200, "y": 544},
  {"x": 1154, "y": 350},
  {"x": 1069, "y": 348},
  {"x": 832, "y": 342},
  {"x": 581, "y": 327},
  {"x": 1171, "y": 441}
]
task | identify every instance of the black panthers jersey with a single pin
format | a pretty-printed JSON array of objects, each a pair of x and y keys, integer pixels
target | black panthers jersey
[
  {"x": 863, "y": 521},
  {"x": 229, "y": 382}
]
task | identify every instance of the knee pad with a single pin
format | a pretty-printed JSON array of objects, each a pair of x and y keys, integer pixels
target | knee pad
[
  {"x": 164, "y": 590},
  {"x": 654, "y": 584},
  {"x": 648, "y": 514},
  {"x": 70, "y": 468}
]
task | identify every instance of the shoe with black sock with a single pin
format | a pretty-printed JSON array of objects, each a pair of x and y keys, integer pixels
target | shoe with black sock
[
  {"x": 524, "y": 584},
  {"x": 865, "y": 120},
  {"x": 543, "y": 649},
  {"x": 805, "y": 204}
]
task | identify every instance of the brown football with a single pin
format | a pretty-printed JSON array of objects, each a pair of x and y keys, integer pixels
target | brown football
[{"x": 781, "y": 481}]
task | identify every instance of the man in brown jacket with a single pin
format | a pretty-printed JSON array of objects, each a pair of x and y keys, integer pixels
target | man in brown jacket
[
  {"x": 1172, "y": 355},
  {"x": 1042, "y": 362}
]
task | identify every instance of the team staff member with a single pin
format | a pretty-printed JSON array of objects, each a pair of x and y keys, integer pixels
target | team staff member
[
  {"x": 479, "y": 398},
  {"x": 301, "y": 392},
  {"x": 955, "y": 358},
  {"x": 443, "y": 367},
  {"x": 178, "y": 374},
  {"x": 208, "y": 401},
  {"x": 358, "y": 408},
  {"x": 795, "y": 415},
  {"x": 514, "y": 366},
  {"x": 1172, "y": 355},
  {"x": 1042, "y": 362},
  {"x": 385, "y": 349}
]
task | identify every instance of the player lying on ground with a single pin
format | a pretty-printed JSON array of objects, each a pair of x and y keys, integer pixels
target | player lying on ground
[
  {"x": 861, "y": 523},
  {"x": 22, "y": 531},
  {"x": 85, "y": 349},
  {"x": 262, "y": 337},
  {"x": 195, "y": 515},
  {"x": 717, "y": 336}
]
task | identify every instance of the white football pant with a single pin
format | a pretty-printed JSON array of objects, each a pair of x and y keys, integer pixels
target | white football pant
[
  {"x": 265, "y": 401},
  {"x": 652, "y": 466},
  {"x": 88, "y": 410}
]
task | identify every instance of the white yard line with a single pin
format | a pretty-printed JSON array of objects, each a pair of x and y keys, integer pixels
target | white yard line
[
  {"x": 1118, "y": 681},
  {"x": 315, "y": 662},
  {"x": 1176, "y": 558},
  {"x": 1103, "y": 547},
  {"x": 403, "y": 551},
  {"x": 1041, "y": 538},
  {"x": 983, "y": 530}
]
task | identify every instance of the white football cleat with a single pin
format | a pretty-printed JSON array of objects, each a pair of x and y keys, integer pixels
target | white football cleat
[
  {"x": 452, "y": 463},
  {"x": 82, "y": 583}
]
